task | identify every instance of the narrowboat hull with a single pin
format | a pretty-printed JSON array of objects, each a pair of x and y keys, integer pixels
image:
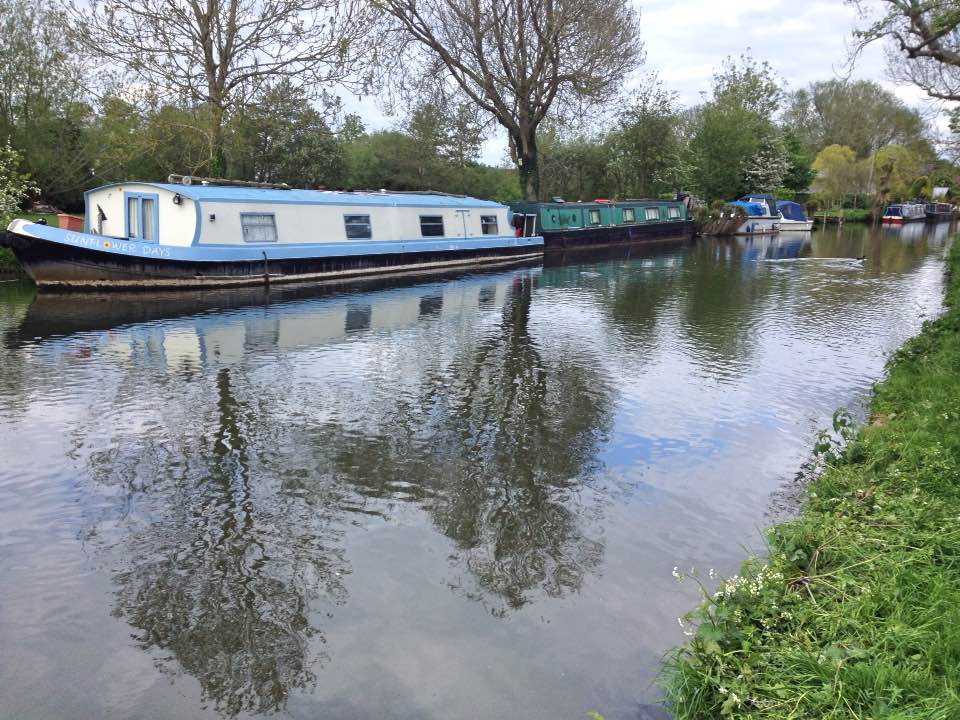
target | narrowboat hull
[
  {"x": 897, "y": 220},
  {"x": 59, "y": 259},
  {"x": 598, "y": 237},
  {"x": 936, "y": 217}
]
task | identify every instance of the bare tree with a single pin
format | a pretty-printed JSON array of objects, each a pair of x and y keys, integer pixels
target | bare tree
[
  {"x": 517, "y": 59},
  {"x": 219, "y": 52},
  {"x": 924, "y": 38}
]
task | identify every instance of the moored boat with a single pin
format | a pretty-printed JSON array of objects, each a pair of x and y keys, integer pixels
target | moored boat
[
  {"x": 939, "y": 212},
  {"x": 568, "y": 225},
  {"x": 762, "y": 215},
  {"x": 792, "y": 217},
  {"x": 904, "y": 213},
  {"x": 140, "y": 235}
]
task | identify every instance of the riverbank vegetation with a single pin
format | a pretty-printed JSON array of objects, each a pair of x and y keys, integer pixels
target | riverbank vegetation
[{"x": 855, "y": 611}]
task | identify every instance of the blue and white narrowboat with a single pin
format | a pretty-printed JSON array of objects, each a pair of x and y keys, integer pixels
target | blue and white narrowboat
[{"x": 203, "y": 234}]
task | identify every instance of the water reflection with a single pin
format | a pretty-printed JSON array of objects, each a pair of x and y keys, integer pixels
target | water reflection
[
  {"x": 228, "y": 506},
  {"x": 496, "y": 448},
  {"x": 216, "y": 566}
]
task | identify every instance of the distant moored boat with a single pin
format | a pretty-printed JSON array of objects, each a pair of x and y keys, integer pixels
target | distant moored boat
[
  {"x": 939, "y": 212},
  {"x": 904, "y": 213},
  {"x": 762, "y": 215},
  {"x": 566, "y": 225},
  {"x": 792, "y": 216}
]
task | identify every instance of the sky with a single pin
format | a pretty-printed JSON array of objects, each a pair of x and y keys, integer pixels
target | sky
[{"x": 685, "y": 40}]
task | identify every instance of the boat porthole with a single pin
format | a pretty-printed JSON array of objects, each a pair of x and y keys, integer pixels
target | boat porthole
[{"x": 106, "y": 244}]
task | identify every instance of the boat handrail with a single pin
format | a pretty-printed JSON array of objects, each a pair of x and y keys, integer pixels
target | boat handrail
[
  {"x": 191, "y": 179},
  {"x": 381, "y": 191}
]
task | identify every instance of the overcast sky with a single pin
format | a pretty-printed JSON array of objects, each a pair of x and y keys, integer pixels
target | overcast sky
[{"x": 686, "y": 40}]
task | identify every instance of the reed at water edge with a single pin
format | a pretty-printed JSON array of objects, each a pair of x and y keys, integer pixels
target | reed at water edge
[{"x": 855, "y": 611}]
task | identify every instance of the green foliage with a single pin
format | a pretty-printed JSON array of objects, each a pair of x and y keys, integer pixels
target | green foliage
[
  {"x": 800, "y": 173},
  {"x": 896, "y": 168},
  {"x": 574, "y": 166},
  {"x": 766, "y": 169},
  {"x": 647, "y": 153},
  {"x": 735, "y": 143},
  {"x": 850, "y": 214},
  {"x": 15, "y": 186},
  {"x": 860, "y": 114},
  {"x": 282, "y": 138},
  {"x": 835, "y": 167},
  {"x": 856, "y": 609}
]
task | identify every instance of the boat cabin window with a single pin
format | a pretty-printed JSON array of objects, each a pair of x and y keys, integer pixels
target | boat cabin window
[
  {"x": 258, "y": 227},
  {"x": 674, "y": 213},
  {"x": 629, "y": 215},
  {"x": 431, "y": 225},
  {"x": 131, "y": 217},
  {"x": 594, "y": 217},
  {"x": 489, "y": 224},
  {"x": 358, "y": 227},
  {"x": 141, "y": 216},
  {"x": 652, "y": 213}
]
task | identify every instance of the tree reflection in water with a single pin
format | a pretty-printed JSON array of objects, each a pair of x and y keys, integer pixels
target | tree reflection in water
[
  {"x": 232, "y": 489},
  {"x": 498, "y": 452},
  {"x": 216, "y": 573}
]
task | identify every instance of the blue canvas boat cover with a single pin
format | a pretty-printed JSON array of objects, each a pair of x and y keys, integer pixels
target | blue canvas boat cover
[
  {"x": 791, "y": 210},
  {"x": 752, "y": 209}
]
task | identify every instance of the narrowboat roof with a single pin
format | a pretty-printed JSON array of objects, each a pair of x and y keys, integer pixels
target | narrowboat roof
[{"x": 224, "y": 193}]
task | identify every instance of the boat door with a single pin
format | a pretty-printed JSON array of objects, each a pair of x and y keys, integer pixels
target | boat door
[
  {"x": 524, "y": 225},
  {"x": 141, "y": 216},
  {"x": 464, "y": 214}
]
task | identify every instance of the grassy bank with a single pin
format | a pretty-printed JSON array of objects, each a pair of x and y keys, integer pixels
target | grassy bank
[
  {"x": 848, "y": 215},
  {"x": 856, "y": 611}
]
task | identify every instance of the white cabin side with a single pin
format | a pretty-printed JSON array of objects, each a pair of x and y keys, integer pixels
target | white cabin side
[
  {"x": 141, "y": 211},
  {"x": 322, "y": 223},
  {"x": 152, "y": 212}
]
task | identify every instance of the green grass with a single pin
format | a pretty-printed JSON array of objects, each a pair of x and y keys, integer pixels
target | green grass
[
  {"x": 8, "y": 263},
  {"x": 855, "y": 611},
  {"x": 848, "y": 214}
]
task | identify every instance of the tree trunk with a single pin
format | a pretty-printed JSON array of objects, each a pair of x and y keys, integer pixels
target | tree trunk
[
  {"x": 528, "y": 166},
  {"x": 218, "y": 162}
]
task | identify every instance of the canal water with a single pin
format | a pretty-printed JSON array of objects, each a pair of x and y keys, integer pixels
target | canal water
[{"x": 457, "y": 498}]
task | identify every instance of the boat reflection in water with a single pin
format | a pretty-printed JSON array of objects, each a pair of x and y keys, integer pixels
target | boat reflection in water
[{"x": 223, "y": 516}]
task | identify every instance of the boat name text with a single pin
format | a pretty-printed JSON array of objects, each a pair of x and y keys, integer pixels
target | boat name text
[{"x": 121, "y": 246}]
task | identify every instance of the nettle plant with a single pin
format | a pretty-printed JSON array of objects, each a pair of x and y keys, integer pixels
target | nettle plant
[
  {"x": 15, "y": 186},
  {"x": 832, "y": 447}
]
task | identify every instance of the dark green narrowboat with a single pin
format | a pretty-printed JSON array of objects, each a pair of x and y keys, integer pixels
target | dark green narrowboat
[{"x": 566, "y": 225}]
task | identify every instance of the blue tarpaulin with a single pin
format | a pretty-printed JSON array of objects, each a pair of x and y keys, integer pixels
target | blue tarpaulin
[
  {"x": 791, "y": 210},
  {"x": 752, "y": 209}
]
